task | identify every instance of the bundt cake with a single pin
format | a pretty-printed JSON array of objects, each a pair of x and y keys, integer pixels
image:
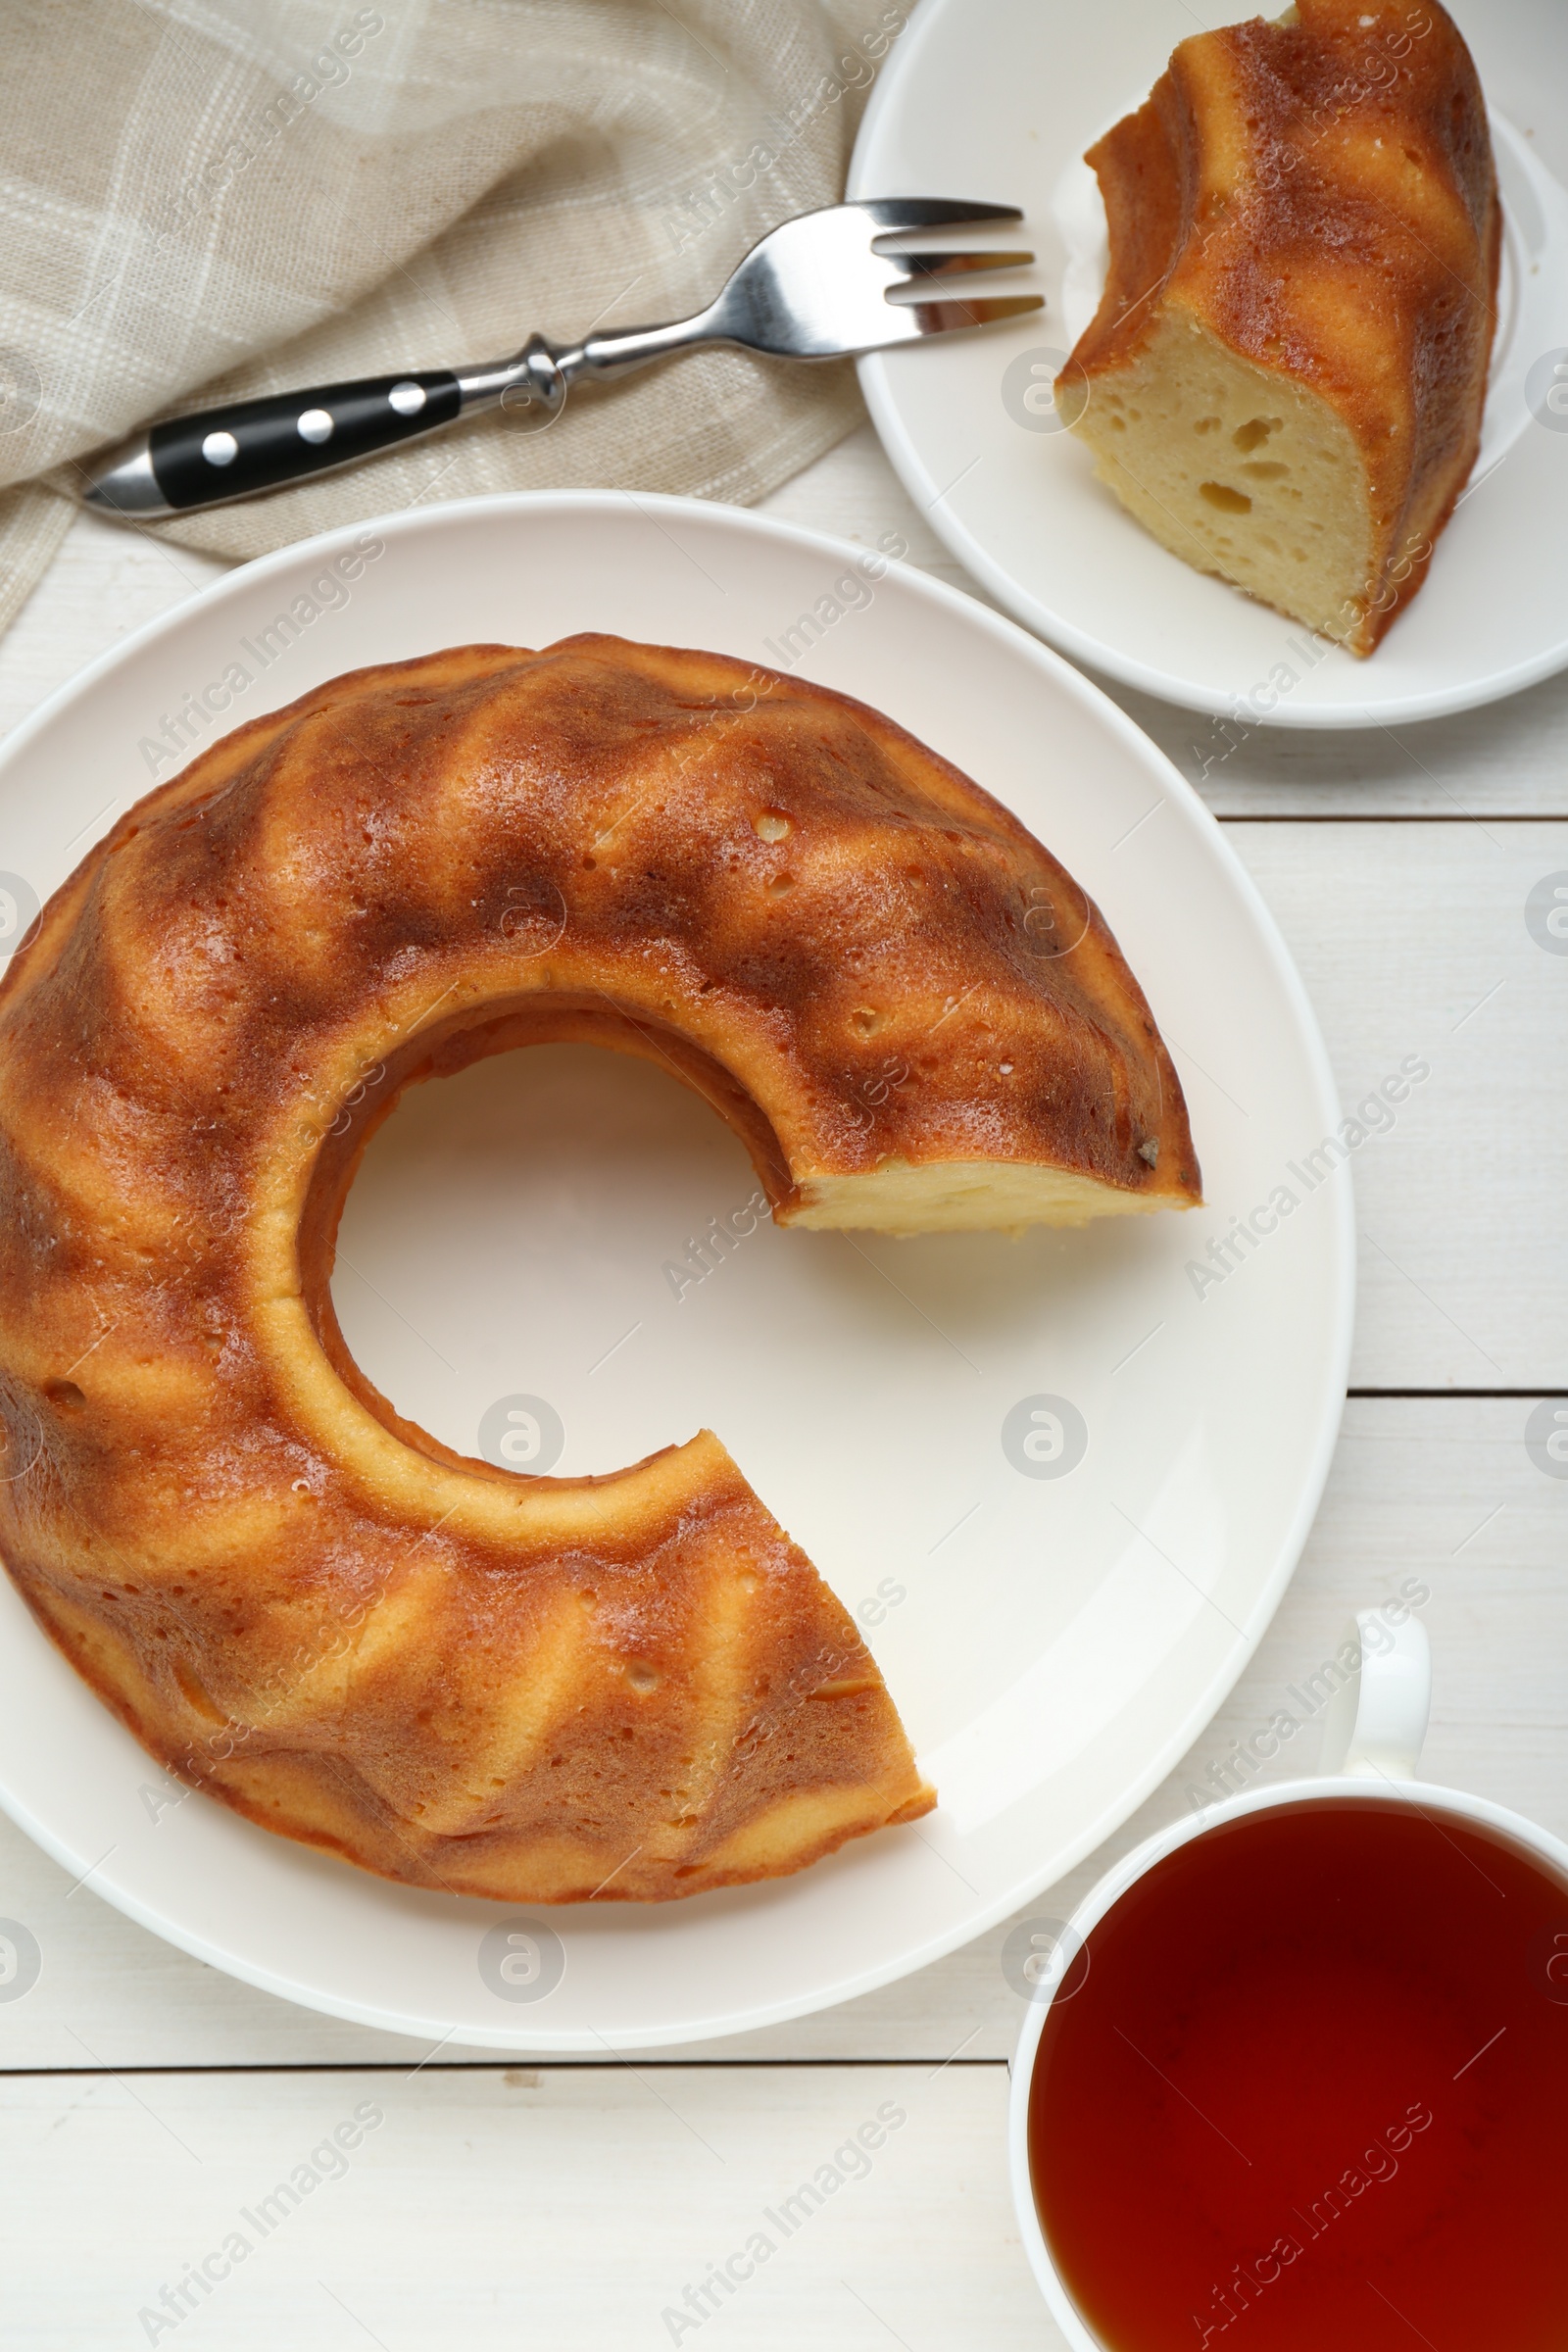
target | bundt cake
[
  {"x": 534, "y": 1689},
  {"x": 1284, "y": 378}
]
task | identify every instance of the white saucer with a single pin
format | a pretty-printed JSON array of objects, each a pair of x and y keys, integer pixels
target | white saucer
[
  {"x": 1000, "y": 98},
  {"x": 1054, "y": 1642}
]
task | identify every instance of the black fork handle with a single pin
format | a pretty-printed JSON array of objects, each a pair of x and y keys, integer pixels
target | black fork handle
[
  {"x": 221, "y": 454},
  {"x": 257, "y": 444}
]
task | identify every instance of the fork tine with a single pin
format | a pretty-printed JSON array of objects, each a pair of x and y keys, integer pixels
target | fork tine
[
  {"x": 892, "y": 213},
  {"x": 955, "y": 265},
  {"x": 942, "y": 317}
]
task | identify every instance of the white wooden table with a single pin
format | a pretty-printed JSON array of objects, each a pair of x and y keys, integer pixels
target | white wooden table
[{"x": 145, "y": 2100}]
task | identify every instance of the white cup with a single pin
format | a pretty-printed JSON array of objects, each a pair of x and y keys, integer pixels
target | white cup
[{"x": 1373, "y": 1730}]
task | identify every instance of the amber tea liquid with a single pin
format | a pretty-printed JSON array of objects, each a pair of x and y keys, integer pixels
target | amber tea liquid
[{"x": 1309, "y": 2092}]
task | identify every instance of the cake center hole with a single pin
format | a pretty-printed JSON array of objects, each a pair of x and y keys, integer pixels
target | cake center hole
[{"x": 502, "y": 1264}]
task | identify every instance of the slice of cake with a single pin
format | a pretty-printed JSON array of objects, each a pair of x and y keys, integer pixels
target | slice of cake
[{"x": 1285, "y": 377}]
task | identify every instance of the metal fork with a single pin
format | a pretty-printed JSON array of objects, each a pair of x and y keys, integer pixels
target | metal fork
[{"x": 817, "y": 287}]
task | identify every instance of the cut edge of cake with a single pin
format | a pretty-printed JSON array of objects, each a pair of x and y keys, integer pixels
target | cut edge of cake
[
  {"x": 1238, "y": 470},
  {"x": 969, "y": 1196}
]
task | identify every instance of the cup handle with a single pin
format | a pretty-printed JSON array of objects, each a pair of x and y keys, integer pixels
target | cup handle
[{"x": 1376, "y": 1718}]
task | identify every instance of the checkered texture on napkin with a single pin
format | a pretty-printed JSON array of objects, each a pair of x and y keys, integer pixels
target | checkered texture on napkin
[{"x": 203, "y": 200}]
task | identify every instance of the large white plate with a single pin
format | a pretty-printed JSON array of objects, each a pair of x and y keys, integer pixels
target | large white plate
[
  {"x": 1054, "y": 1643},
  {"x": 1000, "y": 98}
]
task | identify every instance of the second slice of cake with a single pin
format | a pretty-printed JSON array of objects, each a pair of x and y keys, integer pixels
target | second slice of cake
[{"x": 1284, "y": 378}]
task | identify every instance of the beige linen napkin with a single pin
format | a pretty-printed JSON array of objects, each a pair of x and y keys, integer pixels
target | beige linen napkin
[{"x": 201, "y": 200}]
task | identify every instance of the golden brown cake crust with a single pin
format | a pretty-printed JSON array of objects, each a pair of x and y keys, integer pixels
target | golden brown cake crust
[
  {"x": 527, "y": 1688},
  {"x": 1320, "y": 194}
]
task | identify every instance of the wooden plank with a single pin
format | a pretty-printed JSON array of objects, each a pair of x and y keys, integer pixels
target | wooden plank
[
  {"x": 565, "y": 2207},
  {"x": 1501, "y": 761},
  {"x": 106, "y": 581},
  {"x": 1444, "y": 1490},
  {"x": 1413, "y": 944}
]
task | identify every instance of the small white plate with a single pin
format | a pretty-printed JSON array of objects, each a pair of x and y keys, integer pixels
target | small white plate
[
  {"x": 1000, "y": 98},
  {"x": 1054, "y": 1642}
]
